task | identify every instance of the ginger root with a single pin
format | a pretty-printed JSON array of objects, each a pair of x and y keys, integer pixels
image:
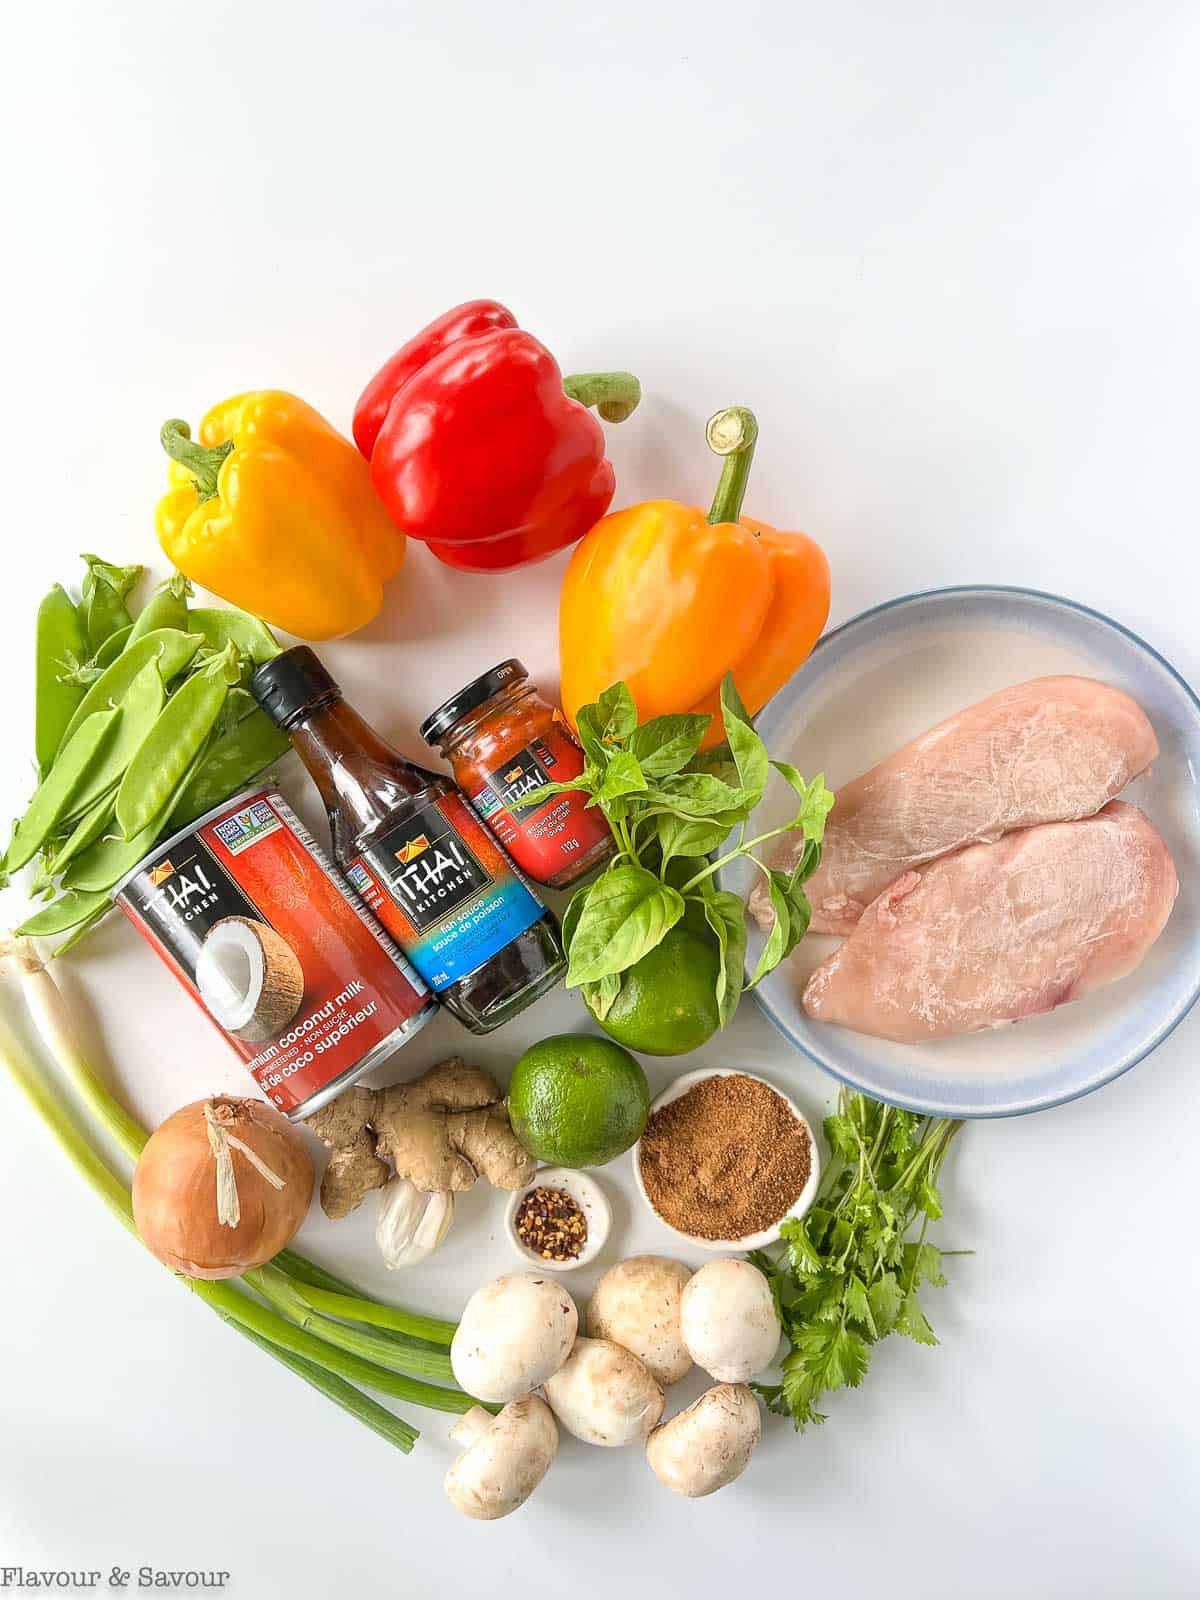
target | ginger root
[
  {"x": 354, "y": 1169},
  {"x": 441, "y": 1132}
]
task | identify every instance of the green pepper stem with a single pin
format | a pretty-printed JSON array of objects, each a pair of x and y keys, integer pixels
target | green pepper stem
[
  {"x": 202, "y": 461},
  {"x": 615, "y": 395},
  {"x": 732, "y": 433}
]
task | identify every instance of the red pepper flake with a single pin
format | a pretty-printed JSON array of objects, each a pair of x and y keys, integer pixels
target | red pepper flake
[{"x": 551, "y": 1224}]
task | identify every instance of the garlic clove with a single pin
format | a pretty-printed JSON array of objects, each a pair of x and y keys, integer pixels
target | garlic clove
[{"x": 411, "y": 1224}]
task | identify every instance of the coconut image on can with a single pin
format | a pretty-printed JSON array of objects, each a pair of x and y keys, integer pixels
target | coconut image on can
[
  {"x": 258, "y": 926},
  {"x": 249, "y": 978}
]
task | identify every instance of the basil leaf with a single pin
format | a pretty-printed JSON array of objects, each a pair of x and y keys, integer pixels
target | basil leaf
[
  {"x": 617, "y": 714},
  {"x": 799, "y": 917},
  {"x": 627, "y": 913},
  {"x": 688, "y": 836},
  {"x": 726, "y": 916},
  {"x": 587, "y": 727},
  {"x": 571, "y": 916},
  {"x": 792, "y": 917},
  {"x": 749, "y": 752},
  {"x": 695, "y": 794},
  {"x": 774, "y": 949},
  {"x": 665, "y": 745},
  {"x": 624, "y": 776},
  {"x": 808, "y": 863},
  {"x": 717, "y": 762},
  {"x": 547, "y": 791},
  {"x": 600, "y": 996},
  {"x": 816, "y": 801}
]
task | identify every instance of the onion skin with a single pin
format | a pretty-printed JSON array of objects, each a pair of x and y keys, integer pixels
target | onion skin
[{"x": 175, "y": 1189}]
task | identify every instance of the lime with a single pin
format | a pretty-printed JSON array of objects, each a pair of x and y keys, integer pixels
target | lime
[
  {"x": 577, "y": 1101},
  {"x": 667, "y": 1004}
]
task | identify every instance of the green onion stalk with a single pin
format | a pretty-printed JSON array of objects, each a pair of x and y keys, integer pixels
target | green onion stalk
[{"x": 320, "y": 1327}]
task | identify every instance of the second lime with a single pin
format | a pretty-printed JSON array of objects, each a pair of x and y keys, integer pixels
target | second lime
[{"x": 576, "y": 1100}]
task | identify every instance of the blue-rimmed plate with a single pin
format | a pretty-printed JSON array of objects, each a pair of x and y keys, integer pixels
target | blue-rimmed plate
[{"x": 878, "y": 681}]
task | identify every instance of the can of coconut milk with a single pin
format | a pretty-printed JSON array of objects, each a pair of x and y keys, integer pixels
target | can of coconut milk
[{"x": 254, "y": 920}]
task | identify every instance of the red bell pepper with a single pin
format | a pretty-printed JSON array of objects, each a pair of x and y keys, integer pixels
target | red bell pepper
[{"x": 479, "y": 446}]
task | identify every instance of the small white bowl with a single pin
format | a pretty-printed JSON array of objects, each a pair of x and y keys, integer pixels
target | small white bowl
[
  {"x": 752, "y": 1241},
  {"x": 587, "y": 1195}
]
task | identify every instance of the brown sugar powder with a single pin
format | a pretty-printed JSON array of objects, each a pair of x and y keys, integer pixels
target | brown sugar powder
[{"x": 726, "y": 1159}]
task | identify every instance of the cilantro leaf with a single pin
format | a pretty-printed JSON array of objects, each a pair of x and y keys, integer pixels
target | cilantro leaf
[
  {"x": 858, "y": 1304},
  {"x": 885, "y": 1298},
  {"x": 841, "y": 1137},
  {"x": 929, "y": 1199},
  {"x": 911, "y": 1321}
]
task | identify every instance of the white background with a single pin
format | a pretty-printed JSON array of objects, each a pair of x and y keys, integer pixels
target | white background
[{"x": 950, "y": 255}]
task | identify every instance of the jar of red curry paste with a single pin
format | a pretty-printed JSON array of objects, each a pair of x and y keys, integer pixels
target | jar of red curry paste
[{"x": 503, "y": 740}]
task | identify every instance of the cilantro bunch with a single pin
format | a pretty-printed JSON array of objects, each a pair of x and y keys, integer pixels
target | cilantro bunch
[
  {"x": 849, "y": 1273},
  {"x": 670, "y": 808}
]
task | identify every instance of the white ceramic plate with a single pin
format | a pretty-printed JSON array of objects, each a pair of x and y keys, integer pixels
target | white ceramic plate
[
  {"x": 752, "y": 1241},
  {"x": 875, "y": 683}
]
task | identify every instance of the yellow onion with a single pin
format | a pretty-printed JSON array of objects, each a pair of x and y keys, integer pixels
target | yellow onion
[{"x": 221, "y": 1187}]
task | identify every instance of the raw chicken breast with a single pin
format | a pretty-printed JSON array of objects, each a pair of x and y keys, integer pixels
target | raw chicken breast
[
  {"x": 1043, "y": 751},
  {"x": 998, "y": 932}
]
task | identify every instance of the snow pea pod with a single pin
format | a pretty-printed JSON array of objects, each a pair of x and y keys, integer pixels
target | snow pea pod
[
  {"x": 231, "y": 761},
  {"x": 59, "y": 787},
  {"x": 166, "y": 608},
  {"x": 168, "y": 750},
  {"x": 67, "y": 911},
  {"x": 102, "y": 605},
  {"x": 87, "y": 830},
  {"x": 112, "y": 647},
  {"x": 140, "y": 709},
  {"x": 170, "y": 648},
  {"x": 84, "y": 928},
  {"x": 222, "y": 626},
  {"x": 60, "y": 639},
  {"x": 110, "y": 858}
]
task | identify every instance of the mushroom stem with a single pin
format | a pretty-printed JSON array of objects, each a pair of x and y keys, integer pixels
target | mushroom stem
[{"x": 471, "y": 1426}]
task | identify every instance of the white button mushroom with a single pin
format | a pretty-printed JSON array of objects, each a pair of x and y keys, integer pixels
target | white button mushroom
[
  {"x": 709, "y": 1444},
  {"x": 636, "y": 1305},
  {"x": 728, "y": 1320},
  {"x": 505, "y": 1459},
  {"x": 604, "y": 1395},
  {"x": 515, "y": 1333}
]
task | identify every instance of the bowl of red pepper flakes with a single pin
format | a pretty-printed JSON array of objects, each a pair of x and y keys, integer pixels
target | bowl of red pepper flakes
[
  {"x": 560, "y": 1220},
  {"x": 503, "y": 741}
]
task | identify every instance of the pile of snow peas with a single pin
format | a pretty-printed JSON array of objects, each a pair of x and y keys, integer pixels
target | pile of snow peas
[{"x": 142, "y": 723}]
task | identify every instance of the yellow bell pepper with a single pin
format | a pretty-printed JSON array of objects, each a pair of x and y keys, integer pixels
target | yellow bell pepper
[
  {"x": 275, "y": 512},
  {"x": 668, "y": 599}
]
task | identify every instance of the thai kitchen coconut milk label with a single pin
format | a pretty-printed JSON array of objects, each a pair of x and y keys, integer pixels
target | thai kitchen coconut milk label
[
  {"x": 301, "y": 981},
  {"x": 445, "y": 891}
]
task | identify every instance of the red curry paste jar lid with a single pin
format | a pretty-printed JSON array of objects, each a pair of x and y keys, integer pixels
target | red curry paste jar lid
[{"x": 471, "y": 698}]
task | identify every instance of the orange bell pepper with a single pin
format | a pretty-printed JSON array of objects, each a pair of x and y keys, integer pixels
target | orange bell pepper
[
  {"x": 669, "y": 599},
  {"x": 274, "y": 511}
]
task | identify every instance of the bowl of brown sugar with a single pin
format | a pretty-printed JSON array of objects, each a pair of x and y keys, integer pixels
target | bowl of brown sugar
[{"x": 725, "y": 1159}]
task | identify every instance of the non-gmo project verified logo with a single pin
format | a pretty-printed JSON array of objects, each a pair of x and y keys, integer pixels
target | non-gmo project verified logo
[
  {"x": 187, "y": 1580},
  {"x": 247, "y": 827}
]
